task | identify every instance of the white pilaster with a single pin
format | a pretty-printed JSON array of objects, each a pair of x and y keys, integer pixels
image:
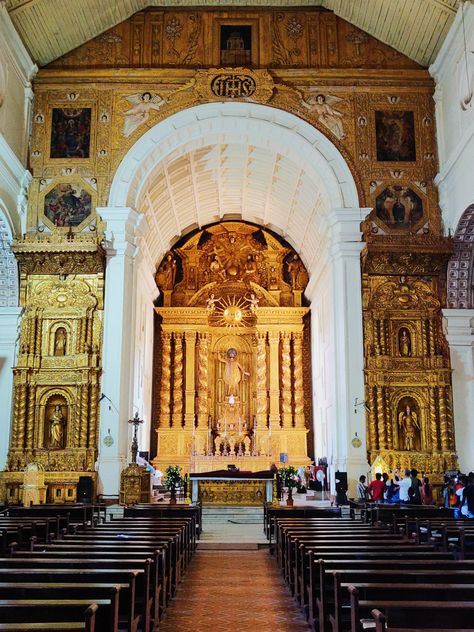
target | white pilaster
[
  {"x": 336, "y": 302},
  {"x": 119, "y": 320},
  {"x": 9, "y": 322},
  {"x": 459, "y": 324}
]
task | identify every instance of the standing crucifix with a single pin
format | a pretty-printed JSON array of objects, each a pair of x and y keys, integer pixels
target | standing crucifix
[{"x": 136, "y": 421}]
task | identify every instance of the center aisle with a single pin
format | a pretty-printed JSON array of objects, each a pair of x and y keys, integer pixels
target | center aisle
[{"x": 235, "y": 590}]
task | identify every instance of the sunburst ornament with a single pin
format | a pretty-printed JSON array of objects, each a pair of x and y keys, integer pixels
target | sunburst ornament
[{"x": 232, "y": 311}]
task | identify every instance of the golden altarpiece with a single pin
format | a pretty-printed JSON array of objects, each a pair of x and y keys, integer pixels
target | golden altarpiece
[
  {"x": 57, "y": 376},
  {"x": 231, "y": 346}
]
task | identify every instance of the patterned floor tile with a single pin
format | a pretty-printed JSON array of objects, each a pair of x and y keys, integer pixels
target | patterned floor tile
[{"x": 233, "y": 591}]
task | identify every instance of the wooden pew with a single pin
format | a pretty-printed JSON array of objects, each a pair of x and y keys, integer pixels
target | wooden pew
[
  {"x": 60, "y": 610},
  {"x": 87, "y": 624},
  {"x": 381, "y": 626},
  {"x": 130, "y": 599},
  {"x": 447, "y": 615},
  {"x": 382, "y": 569},
  {"x": 342, "y": 617}
]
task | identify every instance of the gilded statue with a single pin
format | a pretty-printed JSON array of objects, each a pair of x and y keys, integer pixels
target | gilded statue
[
  {"x": 56, "y": 428},
  {"x": 299, "y": 276},
  {"x": 233, "y": 372},
  {"x": 404, "y": 343},
  {"x": 408, "y": 423},
  {"x": 211, "y": 303},
  {"x": 247, "y": 443},
  {"x": 166, "y": 275},
  {"x": 60, "y": 338},
  {"x": 253, "y": 302}
]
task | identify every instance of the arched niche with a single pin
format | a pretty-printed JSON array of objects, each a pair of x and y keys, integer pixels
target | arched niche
[
  {"x": 60, "y": 339},
  {"x": 408, "y": 423},
  {"x": 56, "y": 419}
]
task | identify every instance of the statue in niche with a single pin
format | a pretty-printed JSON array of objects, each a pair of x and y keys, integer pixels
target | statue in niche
[
  {"x": 299, "y": 276},
  {"x": 60, "y": 340},
  {"x": 233, "y": 372},
  {"x": 166, "y": 275},
  {"x": 56, "y": 423},
  {"x": 409, "y": 426},
  {"x": 404, "y": 343}
]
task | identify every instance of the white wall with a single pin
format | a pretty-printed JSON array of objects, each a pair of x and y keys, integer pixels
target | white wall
[
  {"x": 455, "y": 127},
  {"x": 455, "y": 118}
]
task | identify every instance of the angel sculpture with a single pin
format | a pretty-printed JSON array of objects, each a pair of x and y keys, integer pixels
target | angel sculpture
[
  {"x": 408, "y": 422},
  {"x": 140, "y": 112},
  {"x": 321, "y": 106}
]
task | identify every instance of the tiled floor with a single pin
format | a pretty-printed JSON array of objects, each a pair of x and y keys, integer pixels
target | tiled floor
[{"x": 236, "y": 591}]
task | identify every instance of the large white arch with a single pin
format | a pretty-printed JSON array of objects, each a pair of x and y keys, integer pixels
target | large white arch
[{"x": 139, "y": 233}]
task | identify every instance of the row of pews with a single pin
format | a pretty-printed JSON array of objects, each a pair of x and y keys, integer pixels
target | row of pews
[
  {"x": 93, "y": 575},
  {"x": 406, "y": 571}
]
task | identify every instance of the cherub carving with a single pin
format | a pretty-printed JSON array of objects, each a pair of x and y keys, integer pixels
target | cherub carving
[
  {"x": 321, "y": 106},
  {"x": 140, "y": 112}
]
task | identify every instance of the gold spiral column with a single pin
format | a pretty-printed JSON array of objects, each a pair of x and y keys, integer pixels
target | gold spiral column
[
  {"x": 165, "y": 393},
  {"x": 30, "y": 422},
  {"x": 84, "y": 415},
  {"x": 443, "y": 420},
  {"x": 433, "y": 420},
  {"x": 177, "y": 420},
  {"x": 286, "y": 394},
  {"x": 274, "y": 391},
  {"x": 298, "y": 384},
  {"x": 93, "y": 416},
  {"x": 203, "y": 380},
  {"x": 372, "y": 427},
  {"x": 21, "y": 415},
  {"x": 190, "y": 393},
  {"x": 261, "y": 380},
  {"x": 381, "y": 422}
]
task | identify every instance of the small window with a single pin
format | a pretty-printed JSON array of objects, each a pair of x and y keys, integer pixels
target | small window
[{"x": 236, "y": 45}]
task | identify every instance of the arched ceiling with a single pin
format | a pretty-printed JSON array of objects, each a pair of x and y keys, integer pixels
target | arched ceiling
[
  {"x": 236, "y": 161},
  {"x": 201, "y": 186},
  {"x": 51, "y": 28}
]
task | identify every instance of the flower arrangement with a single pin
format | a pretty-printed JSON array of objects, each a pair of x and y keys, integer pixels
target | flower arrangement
[
  {"x": 289, "y": 478},
  {"x": 173, "y": 479}
]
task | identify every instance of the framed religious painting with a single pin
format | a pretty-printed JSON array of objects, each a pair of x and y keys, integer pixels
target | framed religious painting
[
  {"x": 70, "y": 132},
  {"x": 395, "y": 136},
  {"x": 68, "y": 205},
  {"x": 399, "y": 208}
]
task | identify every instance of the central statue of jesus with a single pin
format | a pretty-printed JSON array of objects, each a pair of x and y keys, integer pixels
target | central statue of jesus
[{"x": 233, "y": 372}]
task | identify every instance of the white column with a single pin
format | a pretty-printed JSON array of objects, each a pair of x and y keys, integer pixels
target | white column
[
  {"x": 118, "y": 341},
  {"x": 459, "y": 326},
  {"x": 337, "y": 349},
  {"x": 9, "y": 323},
  {"x": 146, "y": 294}
]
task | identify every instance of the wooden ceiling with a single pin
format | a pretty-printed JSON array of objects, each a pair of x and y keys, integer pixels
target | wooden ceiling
[{"x": 51, "y": 28}]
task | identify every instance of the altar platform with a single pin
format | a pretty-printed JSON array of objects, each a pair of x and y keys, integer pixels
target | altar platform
[{"x": 227, "y": 487}]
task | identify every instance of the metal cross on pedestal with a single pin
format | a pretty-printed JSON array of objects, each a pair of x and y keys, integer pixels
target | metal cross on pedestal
[{"x": 136, "y": 421}]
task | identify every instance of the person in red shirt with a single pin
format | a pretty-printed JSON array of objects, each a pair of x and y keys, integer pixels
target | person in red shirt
[{"x": 376, "y": 488}]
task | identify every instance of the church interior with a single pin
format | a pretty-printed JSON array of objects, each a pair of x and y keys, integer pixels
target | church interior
[{"x": 237, "y": 242}]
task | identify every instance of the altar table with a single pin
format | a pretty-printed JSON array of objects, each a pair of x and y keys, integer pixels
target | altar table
[{"x": 226, "y": 487}]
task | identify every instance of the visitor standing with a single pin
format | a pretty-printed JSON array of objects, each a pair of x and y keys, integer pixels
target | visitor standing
[{"x": 376, "y": 488}]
